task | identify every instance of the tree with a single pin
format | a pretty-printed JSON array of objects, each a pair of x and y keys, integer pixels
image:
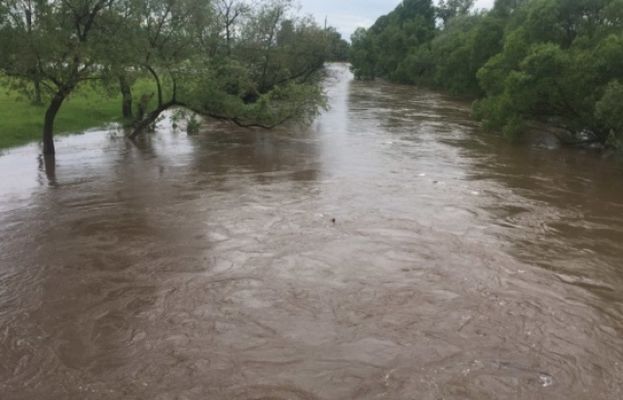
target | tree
[
  {"x": 381, "y": 51},
  {"x": 609, "y": 110},
  {"x": 60, "y": 52},
  {"x": 25, "y": 14},
  {"x": 228, "y": 14},
  {"x": 363, "y": 54},
  {"x": 252, "y": 65},
  {"x": 449, "y": 9},
  {"x": 257, "y": 81},
  {"x": 337, "y": 47},
  {"x": 555, "y": 61}
]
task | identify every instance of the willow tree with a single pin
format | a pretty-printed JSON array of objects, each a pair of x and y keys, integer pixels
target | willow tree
[
  {"x": 240, "y": 73},
  {"x": 26, "y": 16},
  {"x": 382, "y": 50},
  {"x": 229, "y": 13},
  {"x": 59, "y": 52},
  {"x": 252, "y": 65},
  {"x": 561, "y": 64}
]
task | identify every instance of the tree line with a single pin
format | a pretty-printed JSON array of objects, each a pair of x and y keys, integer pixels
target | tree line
[
  {"x": 553, "y": 61},
  {"x": 254, "y": 64}
]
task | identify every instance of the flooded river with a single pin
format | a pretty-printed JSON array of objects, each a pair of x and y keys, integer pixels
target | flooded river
[{"x": 389, "y": 251}]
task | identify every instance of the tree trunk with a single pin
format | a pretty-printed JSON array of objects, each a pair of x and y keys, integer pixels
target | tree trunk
[
  {"x": 48, "y": 123},
  {"x": 126, "y": 93},
  {"x": 49, "y": 166},
  {"x": 150, "y": 118},
  {"x": 37, "y": 98},
  {"x": 158, "y": 84},
  {"x": 228, "y": 35}
]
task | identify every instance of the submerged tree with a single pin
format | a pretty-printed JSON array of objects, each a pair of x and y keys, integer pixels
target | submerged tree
[
  {"x": 60, "y": 52},
  {"x": 252, "y": 65},
  {"x": 256, "y": 81},
  {"x": 338, "y": 48},
  {"x": 380, "y": 50},
  {"x": 557, "y": 61},
  {"x": 560, "y": 63},
  {"x": 362, "y": 54}
]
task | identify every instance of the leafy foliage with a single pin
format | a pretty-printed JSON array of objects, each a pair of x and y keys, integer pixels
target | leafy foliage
[
  {"x": 256, "y": 64},
  {"x": 558, "y": 61}
]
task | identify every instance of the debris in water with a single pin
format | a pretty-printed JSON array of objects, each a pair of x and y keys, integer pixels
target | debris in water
[{"x": 546, "y": 380}]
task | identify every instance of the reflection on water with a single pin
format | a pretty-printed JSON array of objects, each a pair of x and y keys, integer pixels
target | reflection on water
[{"x": 209, "y": 267}]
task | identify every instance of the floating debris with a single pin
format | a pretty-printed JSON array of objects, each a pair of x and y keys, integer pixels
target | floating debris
[{"x": 546, "y": 380}]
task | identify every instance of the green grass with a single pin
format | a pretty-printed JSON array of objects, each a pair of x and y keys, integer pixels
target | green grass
[{"x": 21, "y": 122}]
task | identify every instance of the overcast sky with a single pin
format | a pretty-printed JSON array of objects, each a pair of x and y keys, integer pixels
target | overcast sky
[{"x": 347, "y": 15}]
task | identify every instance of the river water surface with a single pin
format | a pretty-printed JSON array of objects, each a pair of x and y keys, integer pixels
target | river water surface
[{"x": 459, "y": 266}]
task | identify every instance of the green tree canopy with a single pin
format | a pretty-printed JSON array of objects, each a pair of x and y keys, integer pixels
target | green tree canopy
[
  {"x": 255, "y": 65},
  {"x": 557, "y": 61}
]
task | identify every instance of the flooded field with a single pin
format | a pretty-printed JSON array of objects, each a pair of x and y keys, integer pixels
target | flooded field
[{"x": 389, "y": 251}]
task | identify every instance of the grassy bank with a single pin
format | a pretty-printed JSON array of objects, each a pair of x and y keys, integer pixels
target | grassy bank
[{"x": 21, "y": 122}]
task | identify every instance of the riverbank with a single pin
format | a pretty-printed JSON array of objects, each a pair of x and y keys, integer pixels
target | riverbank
[{"x": 21, "y": 122}]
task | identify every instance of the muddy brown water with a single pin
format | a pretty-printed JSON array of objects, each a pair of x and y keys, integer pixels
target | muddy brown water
[{"x": 459, "y": 266}]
